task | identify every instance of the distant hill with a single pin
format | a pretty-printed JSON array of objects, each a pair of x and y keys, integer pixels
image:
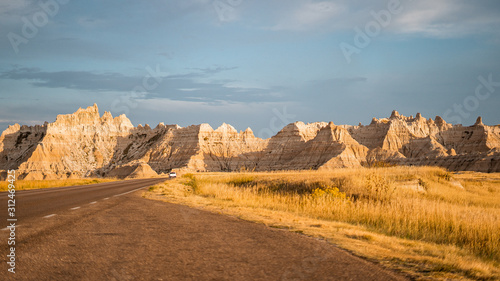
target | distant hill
[{"x": 85, "y": 144}]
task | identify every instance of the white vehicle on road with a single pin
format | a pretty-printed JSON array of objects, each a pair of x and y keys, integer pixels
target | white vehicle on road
[{"x": 172, "y": 175}]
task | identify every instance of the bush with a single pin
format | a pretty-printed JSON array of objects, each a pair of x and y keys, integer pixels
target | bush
[
  {"x": 242, "y": 181},
  {"x": 379, "y": 188},
  {"x": 342, "y": 183},
  {"x": 191, "y": 182},
  {"x": 188, "y": 176},
  {"x": 381, "y": 164},
  {"x": 423, "y": 183},
  {"x": 293, "y": 187},
  {"x": 332, "y": 192},
  {"x": 444, "y": 175}
]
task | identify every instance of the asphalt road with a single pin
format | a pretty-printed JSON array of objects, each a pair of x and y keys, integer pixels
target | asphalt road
[
  {"x": 109, "y": 232},
  {"x": 33, "y": 204}
]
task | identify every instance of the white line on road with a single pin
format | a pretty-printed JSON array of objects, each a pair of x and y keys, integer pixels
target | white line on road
[
  {"x": 75, "y": 208},
  {"x": 49, "y": 216},
  {"x": 6, "y": 228},
  {"x": 131, "y": 191},
  {"x": 93, "y": 202}
]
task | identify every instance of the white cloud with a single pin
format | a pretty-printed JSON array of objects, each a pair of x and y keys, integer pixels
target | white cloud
[
  {"x": 245, "y": 85},
  {"x": 445, "y": 18},
  {"x": 11, "y": 11},
  {"x": 309, "y": 14},
  {"x": 189, "y": 89},
  {"x": 7, "y": 6}
]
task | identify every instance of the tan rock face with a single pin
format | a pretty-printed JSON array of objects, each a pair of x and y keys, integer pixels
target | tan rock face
[
  {"x": 418, "y": 141},
  {"x": 73, "y": 146},
  {"x": 17, "y": 144},
  {"x": 86, "y": 144},
  {"x": 285, "y": 146},
  {"x": 132, "y": 171}
]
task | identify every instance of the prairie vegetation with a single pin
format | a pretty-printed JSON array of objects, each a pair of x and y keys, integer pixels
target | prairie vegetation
[
  {"x": 423, "y": 221},
  {"x": 36, "y": 184}
]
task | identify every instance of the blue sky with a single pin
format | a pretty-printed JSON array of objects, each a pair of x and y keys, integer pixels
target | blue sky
[{"x": 258, "y": 64}]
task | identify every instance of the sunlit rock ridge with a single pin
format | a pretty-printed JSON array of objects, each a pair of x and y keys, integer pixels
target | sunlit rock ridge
[{"x": 85, "y": 144}]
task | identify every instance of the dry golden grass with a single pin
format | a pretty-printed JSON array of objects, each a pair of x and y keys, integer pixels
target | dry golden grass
[
  {"x": 36, "y": 184},
  {"x": 423, "y": 221}
]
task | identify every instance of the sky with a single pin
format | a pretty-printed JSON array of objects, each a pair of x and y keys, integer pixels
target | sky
[{"x": 259, "y": 64}]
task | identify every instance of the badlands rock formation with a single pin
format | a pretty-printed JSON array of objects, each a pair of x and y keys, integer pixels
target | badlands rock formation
[
  {"x": 73, "y": 146},
  {"x": 85, "y": 144}
]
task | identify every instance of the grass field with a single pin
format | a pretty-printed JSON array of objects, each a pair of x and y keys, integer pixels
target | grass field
[
  {"x": 422, "y": 221},
  {"x": 36, "y": 184}
]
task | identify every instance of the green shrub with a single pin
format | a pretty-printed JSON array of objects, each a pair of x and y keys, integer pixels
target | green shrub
[{"x": 332, "y": 192}]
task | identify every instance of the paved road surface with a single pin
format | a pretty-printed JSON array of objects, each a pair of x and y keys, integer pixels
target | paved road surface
[
  {"x": 33, "y": 204},
  {"x": 91, "y": 234}
]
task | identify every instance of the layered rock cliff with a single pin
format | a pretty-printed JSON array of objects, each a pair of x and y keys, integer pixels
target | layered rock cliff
[
  {"x": 85, "y": 144},
  {"x": 74, "y": 145}
]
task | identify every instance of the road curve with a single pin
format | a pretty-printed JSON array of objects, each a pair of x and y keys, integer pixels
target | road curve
[
  {"x": 42, "y": 202},
  {"x": 128, "y": 237}
]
